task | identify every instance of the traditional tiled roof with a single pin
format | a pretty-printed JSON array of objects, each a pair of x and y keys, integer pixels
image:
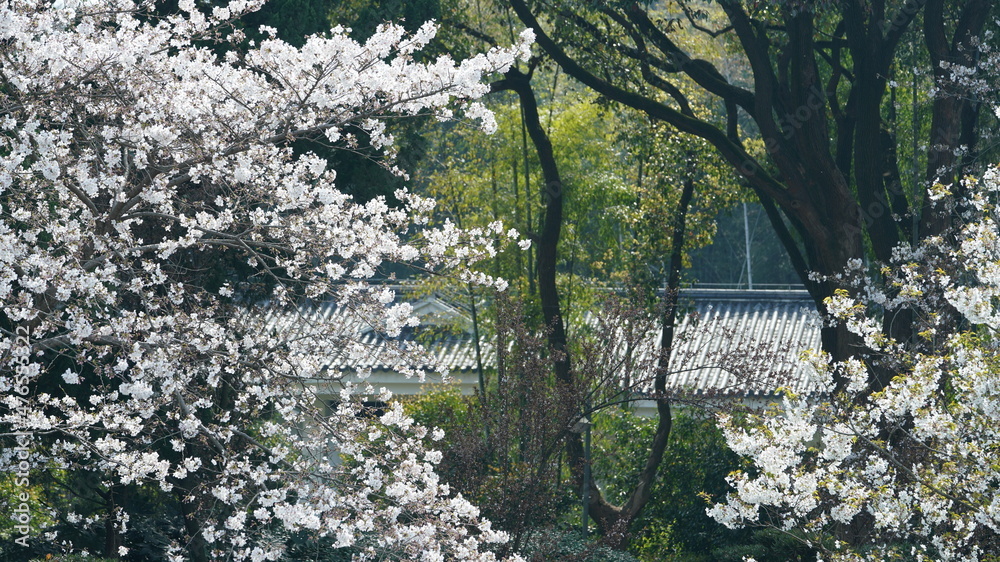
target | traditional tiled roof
[
  {"x": 728, "y": 342},
  {"x": 449, "y": 347},
  {"x": 773, "y": 326}
]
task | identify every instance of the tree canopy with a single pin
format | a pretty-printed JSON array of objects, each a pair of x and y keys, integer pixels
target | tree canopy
[
  {"x": 127, "y": 147},
  {"x": 817, "y": 83}
]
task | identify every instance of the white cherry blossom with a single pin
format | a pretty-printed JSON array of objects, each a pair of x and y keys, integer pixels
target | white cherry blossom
[
  {"x": 128, "y": 151},
  {"x": 905, "y": 468}
]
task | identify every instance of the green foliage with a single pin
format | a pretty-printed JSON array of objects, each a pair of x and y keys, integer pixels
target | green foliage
[
  {"x": 571, "y": 546},
  {"x": 72, "y": 504},
  {"x": 695, "y": 463},
  {"x": 621, "y": 181},
  {"x": 11, "y": 490},
  {"x": 674, "y": 525},
  {"x": 662, "y": 161},
  {"x": 502, "y": 449},
  {"x": 441, "y": 405}
]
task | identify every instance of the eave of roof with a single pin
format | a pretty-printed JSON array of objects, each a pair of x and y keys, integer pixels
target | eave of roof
[{"x": 715, "y": 322}]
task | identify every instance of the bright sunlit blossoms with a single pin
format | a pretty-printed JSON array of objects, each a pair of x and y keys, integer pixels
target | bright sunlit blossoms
[
  {"x": 898, "y": 460},
  {"x": 139, "y": 150}
]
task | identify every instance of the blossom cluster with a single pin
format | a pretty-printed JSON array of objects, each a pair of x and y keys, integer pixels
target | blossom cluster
[
  {"x": 137, "y": 147},
  {"x": 898, "y": 459}
]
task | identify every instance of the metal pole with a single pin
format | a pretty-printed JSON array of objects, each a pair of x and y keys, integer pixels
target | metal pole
[{"x": 746, "y": 234}]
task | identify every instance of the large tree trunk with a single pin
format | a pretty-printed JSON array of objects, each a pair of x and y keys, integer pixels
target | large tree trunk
[{"x": 831, "y": 182}]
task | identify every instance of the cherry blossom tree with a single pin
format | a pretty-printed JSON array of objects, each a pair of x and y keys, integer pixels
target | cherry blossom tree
[
  {"x": 907, "y": 470},
  {"x": 137, "y": 148}
]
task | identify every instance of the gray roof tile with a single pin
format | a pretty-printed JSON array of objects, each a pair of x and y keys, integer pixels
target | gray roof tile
[{"x": 728, "y": 342}]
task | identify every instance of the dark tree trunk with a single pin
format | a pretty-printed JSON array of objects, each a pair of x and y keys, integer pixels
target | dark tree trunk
[
  {"x": 112, "y": 536},
  {"x": 612, "y": 521},
  {"x": 831, "y": 184},
  {"x": 197, "y": 548}
]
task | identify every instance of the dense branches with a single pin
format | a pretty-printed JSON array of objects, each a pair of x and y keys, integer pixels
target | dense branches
[
  {"x": 908, "y": 471},
  {"x": 128, "y": 153},
  {"x": 816, "y": 93}
]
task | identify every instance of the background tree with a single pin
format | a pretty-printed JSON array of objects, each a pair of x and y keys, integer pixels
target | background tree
[
  {"x": 818, "y": 93},
  {"x": 624, "y": 199}
]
